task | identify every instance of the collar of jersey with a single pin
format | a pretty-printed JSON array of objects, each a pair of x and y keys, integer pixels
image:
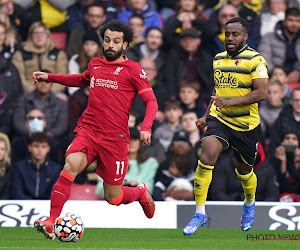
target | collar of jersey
[{"x": 239, "y": 52}]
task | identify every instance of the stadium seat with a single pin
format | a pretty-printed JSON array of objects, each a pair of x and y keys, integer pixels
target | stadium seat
[
  {"x": 294, "y": 85},
  {"x": 59, "y": 39},
  {"x": 83, "y": 192}
]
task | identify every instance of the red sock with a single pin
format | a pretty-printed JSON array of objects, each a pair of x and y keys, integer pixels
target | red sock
[
  {"x": 60, "y": 194},
  {"x": 131, "y": 194}
]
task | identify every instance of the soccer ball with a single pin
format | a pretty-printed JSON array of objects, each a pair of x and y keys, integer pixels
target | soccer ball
[{"x": 68, "y": 227}]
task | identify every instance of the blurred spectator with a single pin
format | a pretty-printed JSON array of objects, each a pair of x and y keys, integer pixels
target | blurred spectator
[
  {"x": 155, "y": 149},
  {"x": 132, "y": 119},
  {"x": 291, "y": 4},
  {"x": 34, "y": 177},
  {"x": 76, "y": 12},
  {"x": 189, "y": 92},
  {"x": 10, "y": 85},
  {"x": 141, "y": 168},
  {"x": 5, "y": 168},
  {"x": 206, "y": 7},
  {"x": 189, "y": 62},
  {"x": 188, "y": 124},
  {"x": 95, "y": 17},
  {"x": 166, "y": 8},
  {"x": 243, "y": 11},
  {"x": 165, "y": 132},
  {"x": 90, "y": 48},
  {"x": 151, "y": 17},
  {"x": 77, "y": 104},
  {"x": 137, "y": 24},
  {"x": 151, "y": 48},
  {"x": 226, "y": 186},
  {"x": 39, "y": 54},
  {"x": 270, "y": 111},
  {"x": 176, "y": 182},
  {"x": 225, "y": 13},
  {"x": 19, "y": 18},
  {"x": 35, "y": 122},
  {"x": 155, "y": 78},
  {"x": 188, "y": 17},
  {"x": 159, "y": 89},
  {"x": 181, "y": 146},
  {"x": 282, "y": 46},
  {"x": 55, "y": 110},
  {"x": 52, "y": 13},
  {"x": 11, "y": 36},
  {"x": 286, "y": 162},
  {"x": 268, "y": 20},
  {"x": 5, "y": 51},
  {"x": 289, "y": 119},
  {"x": 279, "y": 73}
]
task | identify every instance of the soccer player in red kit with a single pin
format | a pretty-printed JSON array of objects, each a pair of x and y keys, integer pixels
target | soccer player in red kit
[{"x": 102, "y": 130}]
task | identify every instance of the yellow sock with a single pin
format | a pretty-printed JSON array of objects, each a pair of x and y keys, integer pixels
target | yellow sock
[
  {"x": 202, "y": 181},
  {"x": 249, "y": 183}
]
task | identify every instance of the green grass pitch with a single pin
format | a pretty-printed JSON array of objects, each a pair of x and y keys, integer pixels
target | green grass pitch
[{"x": 99, "y": 238}]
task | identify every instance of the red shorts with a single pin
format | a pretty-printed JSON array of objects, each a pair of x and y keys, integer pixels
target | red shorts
[{"x": 112, "y": 156}]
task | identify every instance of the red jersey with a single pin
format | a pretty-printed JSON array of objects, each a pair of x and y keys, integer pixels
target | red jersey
[{"x": 113, "y": 87}]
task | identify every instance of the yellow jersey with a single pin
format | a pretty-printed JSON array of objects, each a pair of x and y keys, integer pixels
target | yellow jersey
[{"x": 233, "y": 78}]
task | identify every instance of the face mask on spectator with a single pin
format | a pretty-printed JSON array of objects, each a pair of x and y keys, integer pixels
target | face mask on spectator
[{"x": 36, "y": 125}]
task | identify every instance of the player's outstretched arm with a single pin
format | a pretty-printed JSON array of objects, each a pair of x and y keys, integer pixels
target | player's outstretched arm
[
  {"x": 74, "y": 80},
  {"x": 39, "y": 77}
]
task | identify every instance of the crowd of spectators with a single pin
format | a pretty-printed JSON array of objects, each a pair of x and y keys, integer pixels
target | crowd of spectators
[{"x": 175, "y": 42}]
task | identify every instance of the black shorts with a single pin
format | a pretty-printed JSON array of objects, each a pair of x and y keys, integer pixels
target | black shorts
[{"x": 243, "y": 143}]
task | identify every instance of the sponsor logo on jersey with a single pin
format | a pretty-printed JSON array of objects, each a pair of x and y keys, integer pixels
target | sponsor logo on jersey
[
  {"x": 92, "y": 82},
  {"x": 223, "y": 80},
  {"x": 143, "y": 75},
  {"x": 103, "y": 83},
  {"x": 117, "y": 72}
]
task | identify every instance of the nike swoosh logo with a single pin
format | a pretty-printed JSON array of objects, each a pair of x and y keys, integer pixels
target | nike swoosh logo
[
  {"x": 116, "y": 179},
  {"x": 97, "y": 67}
]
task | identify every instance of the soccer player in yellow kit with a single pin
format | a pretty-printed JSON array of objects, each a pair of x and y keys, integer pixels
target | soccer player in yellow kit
[{"x": 232, "y": 120}]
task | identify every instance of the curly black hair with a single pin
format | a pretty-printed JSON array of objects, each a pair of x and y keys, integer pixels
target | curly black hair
[
  {"x": 117, "y": 25},
  {"x": 240, "y": 20}
]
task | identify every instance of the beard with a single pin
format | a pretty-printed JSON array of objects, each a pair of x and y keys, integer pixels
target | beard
[
  {"x": 239, "y": 47},
  {"x": 112, "y": 56}
]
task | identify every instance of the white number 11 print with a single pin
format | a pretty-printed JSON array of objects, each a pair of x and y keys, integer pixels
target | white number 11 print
[{"x": 120, "y": 164}]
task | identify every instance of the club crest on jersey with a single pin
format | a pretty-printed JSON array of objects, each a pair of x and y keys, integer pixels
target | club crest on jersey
[
  {"x": 237, "y": 62},
  {"x": 92, "y": 82},
  {"x": 117, "y": 72},
  {"x": 144, "y": 75}
]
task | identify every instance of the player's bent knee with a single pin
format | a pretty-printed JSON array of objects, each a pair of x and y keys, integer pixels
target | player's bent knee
[
  {"x": 75, "y": 163},
  {"x": 72, "y": 168},
  {"x": 114, "y": 199},
  {"x": 208, "y": 159}
]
